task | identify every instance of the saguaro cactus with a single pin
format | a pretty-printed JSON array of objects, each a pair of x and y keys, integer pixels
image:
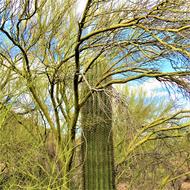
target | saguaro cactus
[{"x": 97, "y": 148}]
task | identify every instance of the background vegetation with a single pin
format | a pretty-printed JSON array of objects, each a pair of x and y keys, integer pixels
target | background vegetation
[{"x": 48, "y": 50}]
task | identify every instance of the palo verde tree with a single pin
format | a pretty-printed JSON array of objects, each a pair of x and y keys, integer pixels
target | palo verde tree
[
  {"x": 49, "y": 48},
  {"x": 150, "y": 142}
]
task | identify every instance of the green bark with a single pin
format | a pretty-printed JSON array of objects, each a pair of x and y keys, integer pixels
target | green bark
[{"x": 97, "y": 148}]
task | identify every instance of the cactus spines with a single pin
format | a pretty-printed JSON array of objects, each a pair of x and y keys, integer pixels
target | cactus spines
[{"x": 97, "y": 148}]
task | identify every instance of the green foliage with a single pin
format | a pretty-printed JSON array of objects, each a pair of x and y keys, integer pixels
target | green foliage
[
  {"x": 28, "y": 161},
  {"x": 4, "y": 111},
  {"x": 145, "y": 158},
  {"x": 50, "y": 48}
]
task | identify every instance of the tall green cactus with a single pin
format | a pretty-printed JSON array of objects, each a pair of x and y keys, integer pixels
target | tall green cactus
[{"x": 97, "y": 148}]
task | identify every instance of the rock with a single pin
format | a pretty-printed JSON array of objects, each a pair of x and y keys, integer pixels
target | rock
[
  {"x": 185, "y": 186},
  {"x": 122, "y": 186}
]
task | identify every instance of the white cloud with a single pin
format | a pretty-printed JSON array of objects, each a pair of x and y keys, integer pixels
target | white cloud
[
  {"x": 80, "y": 7},
  {"x": 154, "y": 88},
  {"x": 149, "y": 86}
]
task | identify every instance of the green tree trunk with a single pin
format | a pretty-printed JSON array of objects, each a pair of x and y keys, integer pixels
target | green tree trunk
[{"x": 97, "y": 148}]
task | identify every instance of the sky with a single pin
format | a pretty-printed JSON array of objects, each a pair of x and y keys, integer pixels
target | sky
[
  {"x": 155, "y": 89},
  {"x": 151, "y": 86}
]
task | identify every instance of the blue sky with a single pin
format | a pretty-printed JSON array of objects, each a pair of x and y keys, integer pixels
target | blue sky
[
  {"x": 151, "y": 86},
  {"x": 155, "y": 89}
]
